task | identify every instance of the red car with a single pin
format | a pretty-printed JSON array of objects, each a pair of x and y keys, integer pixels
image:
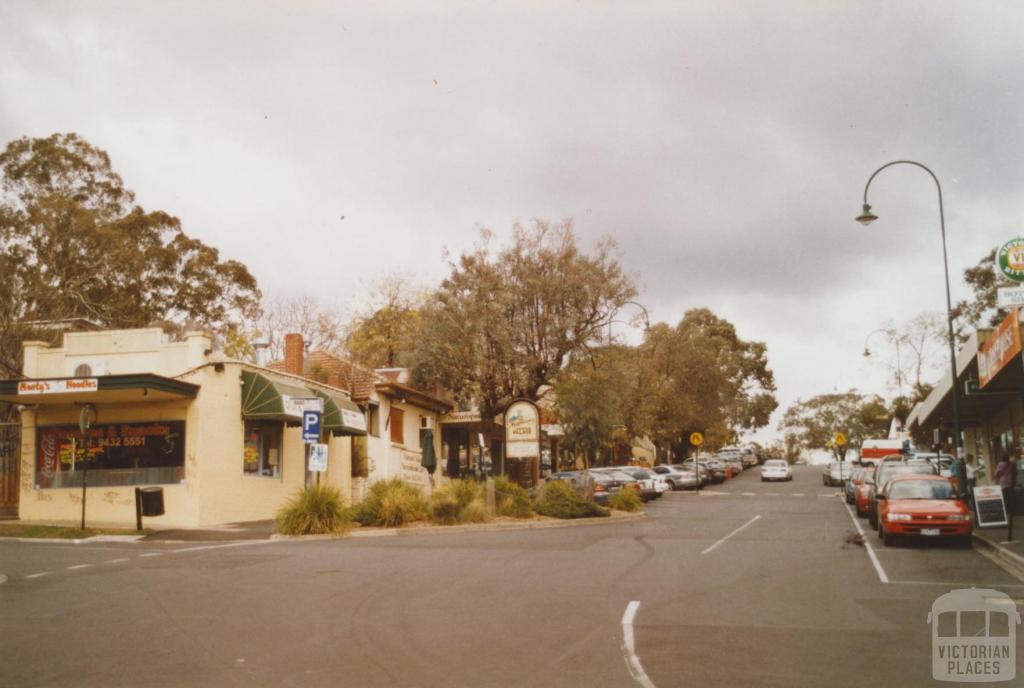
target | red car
[
  {"x": 862, "y": 495},
  {"x": 924, "y": 506}
]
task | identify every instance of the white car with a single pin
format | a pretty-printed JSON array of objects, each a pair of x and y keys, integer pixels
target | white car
[{"x": 776, "y": 469}]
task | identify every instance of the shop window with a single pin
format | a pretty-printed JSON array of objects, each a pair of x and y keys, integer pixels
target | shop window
[
  {"x": 373, "y": 420},
  {"x": 150, "y": 453},
  {"x": 397, "y": 423},
  {"x": 262, "y": 449}
]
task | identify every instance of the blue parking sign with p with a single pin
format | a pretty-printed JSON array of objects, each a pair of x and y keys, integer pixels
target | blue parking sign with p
[{"x": 310, "y": 426}]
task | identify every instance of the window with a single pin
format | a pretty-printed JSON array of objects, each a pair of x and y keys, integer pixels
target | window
[
  {"x": 149, "y": 453},
  {"x": 397, "y": 422},
  {"x": 83, "y": 370},
  {"x": 373, "y": 420},
  {"x": 262, "y": 448}
]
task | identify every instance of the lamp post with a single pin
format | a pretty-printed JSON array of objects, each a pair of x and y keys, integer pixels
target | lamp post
[
  {"x": 866, "y": 217},
  {"x": 896, "y": 342}
]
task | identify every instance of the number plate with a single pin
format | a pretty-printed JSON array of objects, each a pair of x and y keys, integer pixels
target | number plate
[{"x": 930, "y": 531}]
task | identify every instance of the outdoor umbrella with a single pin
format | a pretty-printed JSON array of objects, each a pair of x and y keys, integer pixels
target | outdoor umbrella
[{"x": 427, "y": 445}]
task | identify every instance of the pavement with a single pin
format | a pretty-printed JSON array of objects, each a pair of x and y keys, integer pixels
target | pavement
[
  {"x": 746, "y": 584},
  {"x": 248, "y": 530},
  {"x": 1007, "y": 553}
]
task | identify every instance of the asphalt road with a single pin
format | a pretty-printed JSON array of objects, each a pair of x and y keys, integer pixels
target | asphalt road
[{"x": 748, "y": 584}]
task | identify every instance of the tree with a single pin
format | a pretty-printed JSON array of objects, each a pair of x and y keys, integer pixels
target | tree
[
  {"x": 981, "y": 310},
  {"x": 918, "y": 352},
  {"x": 813, "y": 424},
  {"x": 700, "y": 376},
  {"x": 321, "y": 329},
  {"x": 504, "y": 323},
  {"x": 74, "y": 244},
  {"x": 383, "y": 335}
]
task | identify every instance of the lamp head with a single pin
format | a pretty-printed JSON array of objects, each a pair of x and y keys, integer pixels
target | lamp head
[
  {"x": 866, "y": 352},
  {"x": 866, "y": 217}
]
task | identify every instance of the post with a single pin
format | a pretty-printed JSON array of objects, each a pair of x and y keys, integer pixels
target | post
[
  {"x": 138, "y": 509},
  {"x": 85, "y": 482}
]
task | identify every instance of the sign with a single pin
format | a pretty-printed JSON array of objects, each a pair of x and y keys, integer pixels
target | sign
[
  {"x": 296, "y": 406},
  {"x": 988, "y": 499},
  {"x": 84, "y": 384},
  {"x": 840, "y": 439},
  {"x": 317, "y": 458},
  {"x": 352, "y": 419},
  {"x": 696, "y": 439},
  {"x": 522, "y": 430},
  {"x": 1010, "y": 297},
  {"x": 1010, "y": 259},
  {"x": 310, "y": 426},
  {"x": 999, "y": 349}
]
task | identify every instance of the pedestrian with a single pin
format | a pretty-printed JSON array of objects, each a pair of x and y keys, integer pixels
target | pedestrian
[{"x": 1006, "y": 478}]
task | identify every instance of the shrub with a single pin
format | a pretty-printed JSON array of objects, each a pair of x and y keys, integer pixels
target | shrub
[
  {"x": 558, "y": 500},
  {"x": 317, "y": 510},
  {"x": 444, "y": 507},
  {"x": 511, "y": 499},
  {"x": 475, "y": 512},
  {"x": 466, "y": 492},
  {"x": 625, "y": 500},
  {"x": 390, "y": 503}
]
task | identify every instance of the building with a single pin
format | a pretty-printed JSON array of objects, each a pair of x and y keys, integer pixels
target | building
[{"x": 221, "y": 437}]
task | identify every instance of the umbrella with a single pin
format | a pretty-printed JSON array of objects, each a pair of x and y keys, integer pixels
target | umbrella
[{"x": 427, "y": 445}]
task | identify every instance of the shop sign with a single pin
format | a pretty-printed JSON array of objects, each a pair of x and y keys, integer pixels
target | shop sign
[
  {"x": 990, "y": 505},
  {"x": 1010, "y": 297},
  {"x": 351, "y": 419},
  {"x": 1010, "y": 259},
  {"x": 296, "y": 406},
  {"x": 84, "y": 384},
  {"x": 461, "y": 417},
  {"x": 999, "y": 349},
  {"x": 522, "y": 430}
]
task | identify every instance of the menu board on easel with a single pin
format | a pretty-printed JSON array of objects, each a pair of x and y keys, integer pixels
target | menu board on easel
[{"x": 988, "y": 500}]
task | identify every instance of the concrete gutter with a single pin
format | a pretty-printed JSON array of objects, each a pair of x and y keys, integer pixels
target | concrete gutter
[
  {"x": 1009, "y": 561},
  {"x": 468, "y": 528}
]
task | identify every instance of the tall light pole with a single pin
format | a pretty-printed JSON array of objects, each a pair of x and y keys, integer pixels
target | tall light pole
[
  {"x": 896, "y": 342},
  {"x": 866, "y": 217}
]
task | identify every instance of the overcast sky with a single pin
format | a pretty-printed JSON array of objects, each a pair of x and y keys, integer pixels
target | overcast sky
[{"x": 724, "y": 145}]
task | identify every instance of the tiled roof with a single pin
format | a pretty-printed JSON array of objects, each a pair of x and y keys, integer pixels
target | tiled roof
[{"x": 337, "y": 372}]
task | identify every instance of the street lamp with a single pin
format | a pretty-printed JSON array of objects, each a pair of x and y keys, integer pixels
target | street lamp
[
  {"x": 896, "y": 342},
  {"x": 866, "y": 217}
]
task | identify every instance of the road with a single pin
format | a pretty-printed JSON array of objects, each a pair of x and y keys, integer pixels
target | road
[{"x": 747, "y": 584}]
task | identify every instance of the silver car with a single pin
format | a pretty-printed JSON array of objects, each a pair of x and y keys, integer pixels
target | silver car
[{"x": 679, "y": 479}]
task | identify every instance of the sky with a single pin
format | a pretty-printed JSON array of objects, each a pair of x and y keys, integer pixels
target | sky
[{"x": 723, "y": 145}]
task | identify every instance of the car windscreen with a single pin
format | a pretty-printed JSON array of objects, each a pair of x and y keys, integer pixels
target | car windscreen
[
  {"x": 921, "y": 489},
  {"x": 775, "y": 464}
]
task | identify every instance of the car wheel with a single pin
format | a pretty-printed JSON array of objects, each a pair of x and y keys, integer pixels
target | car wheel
[
  {"x": 872, "y": 519},
  {"x": 887, "y": 539}
]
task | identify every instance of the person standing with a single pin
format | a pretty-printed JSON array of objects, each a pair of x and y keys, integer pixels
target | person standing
[{"x": 1006, "y": 478}]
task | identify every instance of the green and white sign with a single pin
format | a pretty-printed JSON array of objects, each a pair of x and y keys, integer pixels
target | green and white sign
[{"x": 1010, "y": 259}]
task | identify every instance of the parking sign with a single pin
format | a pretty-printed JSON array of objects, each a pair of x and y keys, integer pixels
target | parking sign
[{"x": 310, "y": 426}]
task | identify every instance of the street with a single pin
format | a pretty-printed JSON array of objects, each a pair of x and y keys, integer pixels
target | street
[{"x": 746, "y": 584}]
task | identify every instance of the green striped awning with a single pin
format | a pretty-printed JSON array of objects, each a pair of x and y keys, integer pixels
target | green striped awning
[
  {"x": 264, "y": 398},
  {"x": 341, "y": 415}
]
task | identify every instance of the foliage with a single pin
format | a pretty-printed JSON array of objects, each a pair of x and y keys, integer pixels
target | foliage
[
  {"x": 915, "y": 353},
  {"x": 558, "y": 499},
  {"x": 625, "y": 500},
  {"x": 812, "y": 424},
  {"x": 443, "y": 507},
  {"x": 462, "y": 501},
  {"x": 74, "y": 244},
  {"x": 982, "y": 310},
  {"x": 511, "y": 499},
  {"x": 504, "y": 323},
  {"x": 474, "y": 512},
  {"x": 391, "y": 503},
  {"x": 360, "y": 457},
  {"x": 315, "y": 510},
  {"x": 466, "y": 492},
  {"x": 383, "y": 336},
  {"x": 700, "y": 376}
]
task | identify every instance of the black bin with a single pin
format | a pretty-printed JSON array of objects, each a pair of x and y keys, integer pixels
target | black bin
[{"x": 152, "y": 499}]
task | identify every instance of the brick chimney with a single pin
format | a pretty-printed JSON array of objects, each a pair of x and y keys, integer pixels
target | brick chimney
[{"x": 293, "y": 349}]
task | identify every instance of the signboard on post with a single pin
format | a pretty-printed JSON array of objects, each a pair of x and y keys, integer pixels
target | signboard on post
[
  {"x": 696, "y": 439},
  {"x": 310, "y": 426},
  {"x": 317, "y": 458},
  {"x": 1010, "y": 297},
  {"x": 522, "y": 430},
  {"x": 988, "y": 500},
  {"x": 1010, "y": 259}
]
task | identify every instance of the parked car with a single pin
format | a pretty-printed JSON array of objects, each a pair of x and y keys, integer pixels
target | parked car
[
  {"x": 733, "y": 461},
  {"x": 836, "y": 473},
  {"x": 776, "y": 469},
  {"x": 592, "y": 484},
  {"x": 862, "y": 494},
  {"x": 888, "y": 468},
  {"x": 850, "y": 486},
  {"x": 652, "y": 485},
  {"x": 944, "y": 462},
  {"x": 702, "y": 468},
  {"x": 629, "y": 480},
  {"x": 923, "y": 506},
  {"x": 714, "y": 469},
  {"x": 680, "y": 479}
]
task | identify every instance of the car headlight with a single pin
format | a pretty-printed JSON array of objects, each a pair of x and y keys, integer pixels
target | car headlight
[
  {"x": 897, "y": 517},
  {"x": 960, "y": 517}
]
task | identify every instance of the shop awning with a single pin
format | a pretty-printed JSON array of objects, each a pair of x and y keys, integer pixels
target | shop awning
[
  {"x": 265, "y": 398},
  {"x": 341, "y": 415},
  {"x": 103, "y": 389}
]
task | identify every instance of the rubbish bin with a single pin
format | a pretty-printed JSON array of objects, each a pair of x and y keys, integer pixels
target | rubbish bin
[{"x": 152, "y": 499}]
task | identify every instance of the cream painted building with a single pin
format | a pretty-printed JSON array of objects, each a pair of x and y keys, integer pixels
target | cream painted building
[{"x": 221, "y": 437}]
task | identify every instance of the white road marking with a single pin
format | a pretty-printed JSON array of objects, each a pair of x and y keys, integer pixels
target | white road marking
[
  {"x": 39, "y": 575},
  {"x": 247, "y": 543},
  {"x": 797, "y": 494},
  {"x": 749, "y": 494},
  {"x": 151, "y": 554},
  {"x": 867, "y": 545},
  {"x": 116, "y": 561},
  {"x": 748, "y": 523},
  {"x": 79, "y": 566},
  {"x": 636, "y": 670}
]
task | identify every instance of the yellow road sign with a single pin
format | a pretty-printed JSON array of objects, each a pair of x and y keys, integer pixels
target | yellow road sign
[
  {"x": 696, "y": 439},
  {"x": 840, "y": 439}
]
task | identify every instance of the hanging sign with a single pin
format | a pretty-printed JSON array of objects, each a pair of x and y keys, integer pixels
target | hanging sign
[
  {"x": 999, "y": 349},
  {"x": 522, "y": 430},
  {"x": 1010, "y": 259}
]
